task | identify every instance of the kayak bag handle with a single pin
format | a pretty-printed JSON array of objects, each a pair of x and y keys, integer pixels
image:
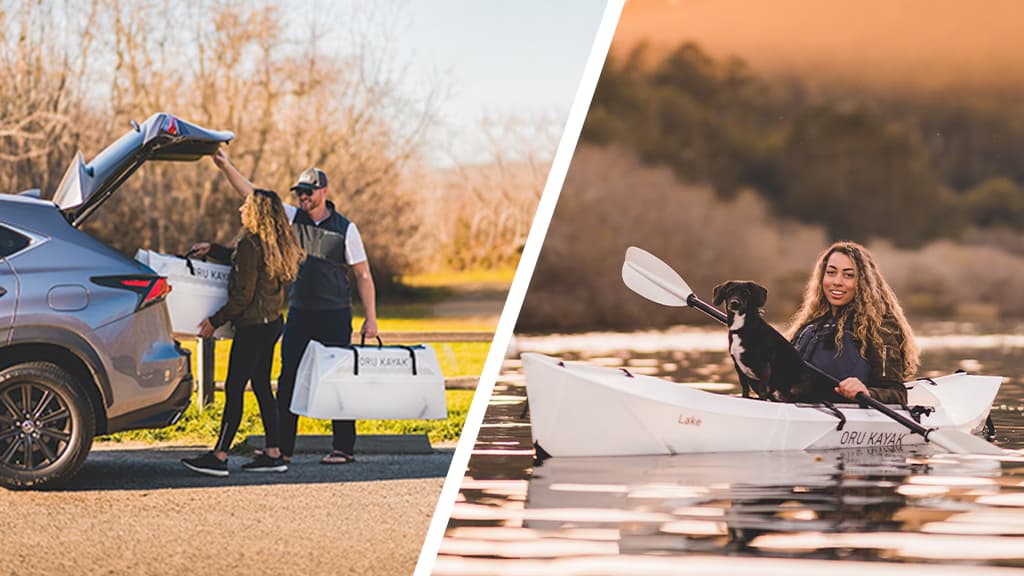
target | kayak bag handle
[{"x": 380, "y": 345}]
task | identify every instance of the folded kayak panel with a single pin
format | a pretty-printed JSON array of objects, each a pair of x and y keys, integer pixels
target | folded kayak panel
[{"x": 198, "y": 290}]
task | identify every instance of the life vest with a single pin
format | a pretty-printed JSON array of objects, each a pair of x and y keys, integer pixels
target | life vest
[{"x": 816, "y": 343}]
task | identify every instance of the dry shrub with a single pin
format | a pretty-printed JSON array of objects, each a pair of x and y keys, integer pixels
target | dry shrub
[
  {"x": 482, "y": 211},
  {"x": 611, "y": 201},
  {"x": 944, "y": 279}
]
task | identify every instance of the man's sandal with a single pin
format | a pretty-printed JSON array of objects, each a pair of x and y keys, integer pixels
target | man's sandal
[{"x": 337, "y": 457}]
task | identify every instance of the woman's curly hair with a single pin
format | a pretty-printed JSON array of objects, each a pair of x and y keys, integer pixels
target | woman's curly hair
[
  {"x": 874, "y": 309},
  {"x": 263, "y": 216}
]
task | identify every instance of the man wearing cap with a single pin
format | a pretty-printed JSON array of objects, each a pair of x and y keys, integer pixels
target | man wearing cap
[{"x": 320, "y": 305}]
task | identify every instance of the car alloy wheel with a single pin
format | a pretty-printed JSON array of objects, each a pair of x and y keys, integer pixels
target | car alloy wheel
[
  {"x": 46, "y": 425},
  {"x": 36, "y": 426}
]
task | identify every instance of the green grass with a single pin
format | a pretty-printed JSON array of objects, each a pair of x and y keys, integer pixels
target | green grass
[{"x": 202, "y": 428}]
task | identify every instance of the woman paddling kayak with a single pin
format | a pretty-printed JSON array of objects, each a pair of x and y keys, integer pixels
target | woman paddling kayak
[{"x": 852, "y": 326}]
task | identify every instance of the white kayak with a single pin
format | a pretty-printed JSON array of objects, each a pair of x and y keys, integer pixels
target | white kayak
[{"x": 582, "y": 410}]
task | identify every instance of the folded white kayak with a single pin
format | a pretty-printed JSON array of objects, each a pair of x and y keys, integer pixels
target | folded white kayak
[{"x": 582, "y": 410}]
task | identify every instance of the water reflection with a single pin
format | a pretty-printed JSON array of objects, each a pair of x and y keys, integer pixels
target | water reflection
[
  {"x": 762, "y": 503},
  {"x": 909, "y": 505}
]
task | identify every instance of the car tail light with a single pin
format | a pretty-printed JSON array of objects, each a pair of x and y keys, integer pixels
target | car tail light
[
  {"x": 150, "y": 289},
  {"x": 171, "y": 125}
]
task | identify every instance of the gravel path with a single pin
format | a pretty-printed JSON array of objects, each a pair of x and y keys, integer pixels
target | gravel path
[{"x": 136, "y": 510}]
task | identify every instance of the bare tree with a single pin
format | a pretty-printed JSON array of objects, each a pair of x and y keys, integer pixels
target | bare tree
[
  {"x": 327, "y": 96},
  {"x": 291, "y": 105},
  {"x": 40, "y": 101}
]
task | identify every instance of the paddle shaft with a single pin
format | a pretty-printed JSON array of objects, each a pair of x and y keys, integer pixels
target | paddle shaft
[{"x": 694, "y": 302}]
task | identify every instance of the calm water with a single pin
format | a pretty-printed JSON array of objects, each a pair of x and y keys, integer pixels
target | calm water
[{"x": 741, "y": 513}]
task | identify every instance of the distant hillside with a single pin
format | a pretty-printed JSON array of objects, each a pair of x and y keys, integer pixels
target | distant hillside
[{"x": 907, "y": 168}]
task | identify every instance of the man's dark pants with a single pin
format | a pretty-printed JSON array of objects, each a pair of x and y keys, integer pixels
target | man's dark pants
[{"x": 329, "y": 327}]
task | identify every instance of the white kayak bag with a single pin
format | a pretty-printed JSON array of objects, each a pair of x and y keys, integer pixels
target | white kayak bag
[
  {"x": 198, "y": 290},
  {"x": 369, "y": 383}
]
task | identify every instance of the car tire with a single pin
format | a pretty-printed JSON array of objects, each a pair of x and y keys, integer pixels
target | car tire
[{"x": 48, "y": 443}]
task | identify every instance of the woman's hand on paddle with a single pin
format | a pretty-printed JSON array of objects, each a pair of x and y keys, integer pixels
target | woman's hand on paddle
[{"x": 850, "y": 387}]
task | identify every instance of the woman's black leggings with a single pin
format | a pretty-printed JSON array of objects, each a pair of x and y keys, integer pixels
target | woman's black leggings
[{"x": 252, "y": 354}]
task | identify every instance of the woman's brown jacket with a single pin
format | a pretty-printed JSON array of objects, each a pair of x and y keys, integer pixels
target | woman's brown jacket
[{"x": 253, "y": 296}]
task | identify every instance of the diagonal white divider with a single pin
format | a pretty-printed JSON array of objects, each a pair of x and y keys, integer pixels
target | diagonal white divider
[{"x": 517, "y": 293}]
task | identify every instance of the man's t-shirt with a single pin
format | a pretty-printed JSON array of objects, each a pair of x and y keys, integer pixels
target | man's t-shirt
[{"x": 332, "y": 246}]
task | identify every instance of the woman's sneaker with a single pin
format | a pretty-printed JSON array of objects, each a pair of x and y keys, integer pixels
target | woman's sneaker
[
  {"x": 207, "y": 464},
  {"x": 264, "y": 463}
]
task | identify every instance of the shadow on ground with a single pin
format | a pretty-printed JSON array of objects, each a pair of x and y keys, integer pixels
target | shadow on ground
[{"x": 161, "y": 468}]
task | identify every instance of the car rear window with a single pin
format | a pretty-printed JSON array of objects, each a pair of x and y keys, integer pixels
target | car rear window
[{"x": 11, "y": 242}]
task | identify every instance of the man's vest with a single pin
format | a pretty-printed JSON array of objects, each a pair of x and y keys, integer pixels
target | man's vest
[{"x": 322, "y": 283}]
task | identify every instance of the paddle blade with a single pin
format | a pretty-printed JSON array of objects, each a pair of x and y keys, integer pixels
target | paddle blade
[
  {"x": 651, "y": 278},
  {"x": 957, "y": 442}
]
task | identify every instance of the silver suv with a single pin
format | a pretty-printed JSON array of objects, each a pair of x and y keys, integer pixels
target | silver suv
[{"x": 85, "y": 338}]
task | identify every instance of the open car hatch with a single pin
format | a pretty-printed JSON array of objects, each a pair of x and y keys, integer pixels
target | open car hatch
[{"x": 162, "y": 136}]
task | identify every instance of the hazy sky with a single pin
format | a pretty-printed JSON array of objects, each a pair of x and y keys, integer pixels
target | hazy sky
[
  {"x": 933, "y": 44},
  {"x": 489, "y": 57},
  {"x": 522, "y": 57}
]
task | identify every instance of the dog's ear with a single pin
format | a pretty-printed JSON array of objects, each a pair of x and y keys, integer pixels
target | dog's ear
[
  {"x": 759, "y": 294},
  {"x": 720, "y": 292}
]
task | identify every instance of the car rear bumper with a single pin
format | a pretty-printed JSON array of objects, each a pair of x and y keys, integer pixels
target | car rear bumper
[{"x": 165, "y": 413}]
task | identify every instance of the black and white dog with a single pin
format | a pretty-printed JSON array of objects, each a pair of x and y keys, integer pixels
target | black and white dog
[{"x": 765, "y": 361}]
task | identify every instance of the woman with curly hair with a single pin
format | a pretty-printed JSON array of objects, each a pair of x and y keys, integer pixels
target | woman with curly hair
[
  {"x": 851, "y": 326},
  {"x": 264, "y": 263}
]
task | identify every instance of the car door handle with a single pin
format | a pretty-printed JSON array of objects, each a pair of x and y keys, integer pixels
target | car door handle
[{"x": 3, "y": 290}]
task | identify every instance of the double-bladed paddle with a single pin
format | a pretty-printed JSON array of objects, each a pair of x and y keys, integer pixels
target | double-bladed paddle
[{"x": 645, "y": 274}]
